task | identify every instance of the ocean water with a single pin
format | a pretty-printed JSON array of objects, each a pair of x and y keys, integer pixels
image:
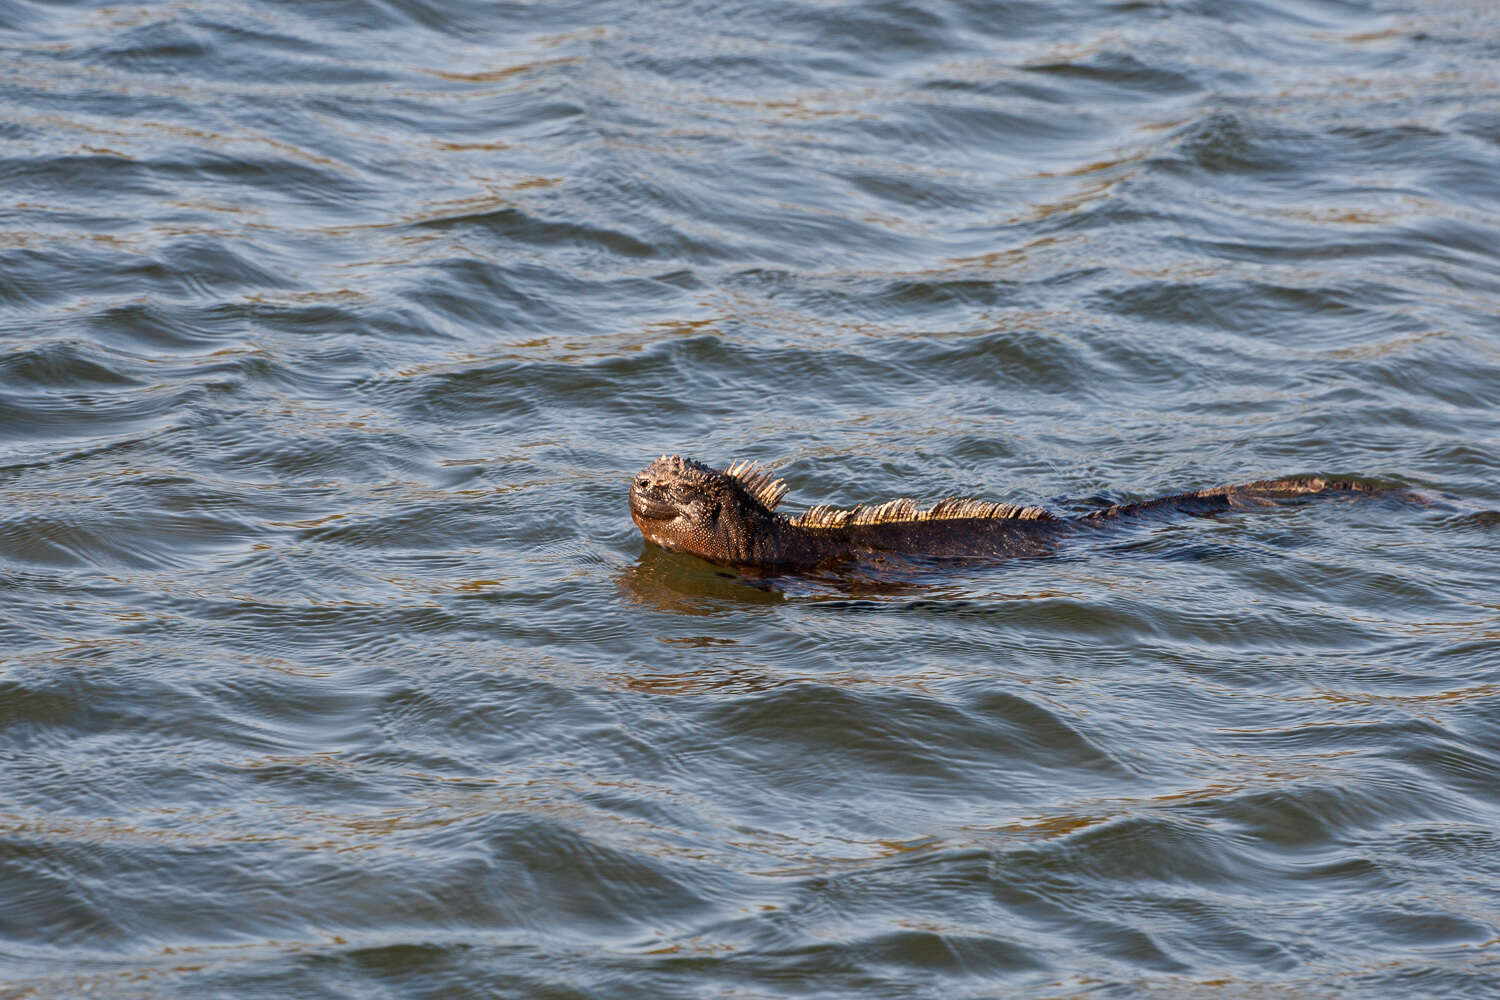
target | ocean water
[{"x": 332, "y": 333}]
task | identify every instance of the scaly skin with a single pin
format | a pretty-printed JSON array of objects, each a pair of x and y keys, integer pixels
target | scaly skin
[{"x": 729, "y": 517}]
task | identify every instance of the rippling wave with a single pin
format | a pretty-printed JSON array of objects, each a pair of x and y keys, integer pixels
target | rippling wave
[{"x": 331, "y": 663}]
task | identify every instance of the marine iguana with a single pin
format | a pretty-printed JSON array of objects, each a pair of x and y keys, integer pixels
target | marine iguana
[{"x": 730, "y": 517}]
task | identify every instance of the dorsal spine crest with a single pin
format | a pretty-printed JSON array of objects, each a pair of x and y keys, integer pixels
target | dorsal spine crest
[
  {"x": 905, "y": 511},
  {"x": 758, "y": 481}
]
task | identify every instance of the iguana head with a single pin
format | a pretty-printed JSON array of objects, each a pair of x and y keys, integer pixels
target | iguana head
[{"x": 685, "y": 506}]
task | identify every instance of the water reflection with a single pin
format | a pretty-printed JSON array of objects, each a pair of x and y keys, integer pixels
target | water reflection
[{"x": 667, "y": 581}]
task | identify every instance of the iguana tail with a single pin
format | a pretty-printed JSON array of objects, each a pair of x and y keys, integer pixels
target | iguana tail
[{"x": 1265, "y": 493}]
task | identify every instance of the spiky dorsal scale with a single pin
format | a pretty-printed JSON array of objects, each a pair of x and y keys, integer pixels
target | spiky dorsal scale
[
  {"x": 900, "y": 509},
  {"x": 758, "y": 481},
  {"x": 906, "y": 511},
  {"x": 961, "y": 507},
  {"x": 769, "y": 491}
]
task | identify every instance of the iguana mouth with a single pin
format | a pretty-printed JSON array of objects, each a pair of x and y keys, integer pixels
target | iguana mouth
[{"x": 643, "y": 506}]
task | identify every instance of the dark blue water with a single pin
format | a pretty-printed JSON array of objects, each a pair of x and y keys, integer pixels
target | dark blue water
[{"x": 331, "y": 663}]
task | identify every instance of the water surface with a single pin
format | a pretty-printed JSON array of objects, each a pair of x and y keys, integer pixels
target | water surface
[{"x": 331, "y": 334}]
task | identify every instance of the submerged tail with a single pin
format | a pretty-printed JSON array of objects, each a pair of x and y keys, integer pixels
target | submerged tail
[{"x": 1265, "y": 493}]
